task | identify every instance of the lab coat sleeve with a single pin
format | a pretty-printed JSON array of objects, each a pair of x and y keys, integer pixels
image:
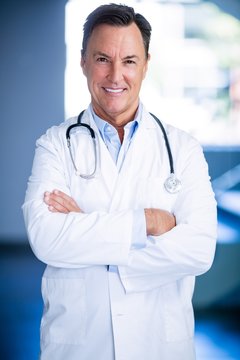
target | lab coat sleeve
[
  {"x": 188, "y": 249},
  {"x": 75, "y": 239}
]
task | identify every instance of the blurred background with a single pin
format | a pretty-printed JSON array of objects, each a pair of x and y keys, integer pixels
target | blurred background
[{"x": 193, "y": 83}]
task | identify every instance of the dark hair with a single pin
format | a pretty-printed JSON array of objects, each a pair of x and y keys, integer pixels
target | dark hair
[{"x": 116, "y": 15}]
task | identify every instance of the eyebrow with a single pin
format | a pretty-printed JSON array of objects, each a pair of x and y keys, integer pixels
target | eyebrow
[{"x": 128, "y": 57}]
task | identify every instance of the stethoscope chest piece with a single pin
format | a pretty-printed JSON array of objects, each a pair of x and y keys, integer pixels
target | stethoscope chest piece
[{"x": 172, "y": 184}]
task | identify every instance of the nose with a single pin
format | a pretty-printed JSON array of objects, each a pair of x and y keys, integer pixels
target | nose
[{"x": 115, "y": 72}]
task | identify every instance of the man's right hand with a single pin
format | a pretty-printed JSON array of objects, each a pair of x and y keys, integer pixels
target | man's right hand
[
  {"x": 158, "y": 221},
  {"x": 59, "y": 202}
]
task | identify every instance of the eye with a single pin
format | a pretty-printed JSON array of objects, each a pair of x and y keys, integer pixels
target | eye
[
  {"x": 130, "y": 62},
  {"x": 102, "y": 59}
]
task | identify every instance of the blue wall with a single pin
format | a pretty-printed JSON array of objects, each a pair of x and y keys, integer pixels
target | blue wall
[{"x": 31, "y": 95}]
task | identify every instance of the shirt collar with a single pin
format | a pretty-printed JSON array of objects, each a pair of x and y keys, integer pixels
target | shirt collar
[{"x": 104, "y": 126}]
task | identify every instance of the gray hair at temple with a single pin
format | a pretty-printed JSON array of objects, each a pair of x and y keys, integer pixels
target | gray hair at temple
[{"x": 116, "y": 15}]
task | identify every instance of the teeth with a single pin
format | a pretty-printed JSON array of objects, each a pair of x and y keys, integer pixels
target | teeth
[{"x": 114, "y": 90}]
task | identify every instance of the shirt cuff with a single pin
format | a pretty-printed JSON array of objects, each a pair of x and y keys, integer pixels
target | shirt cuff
[{"x": 139, "y": 234}]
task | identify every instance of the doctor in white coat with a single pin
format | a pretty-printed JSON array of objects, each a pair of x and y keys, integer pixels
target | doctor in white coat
[{"x": 121, "y": 251}]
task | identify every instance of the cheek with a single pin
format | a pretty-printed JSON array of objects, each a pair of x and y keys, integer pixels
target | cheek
[
  {"x": 136, "y": 77},
  {"x": 137, "y": 82},
  {"x": 96, "y": 75},
  {"x": 132, "y": 78}
]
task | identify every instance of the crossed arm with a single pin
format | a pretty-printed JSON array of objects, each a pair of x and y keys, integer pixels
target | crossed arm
[{"x": 157, "y": 221}]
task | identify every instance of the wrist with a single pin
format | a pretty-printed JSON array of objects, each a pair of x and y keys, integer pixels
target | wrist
[{"x": 149, "y": 221}]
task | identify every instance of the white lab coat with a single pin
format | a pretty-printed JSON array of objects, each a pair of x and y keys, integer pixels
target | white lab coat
[{"x": 145, "y": 310}]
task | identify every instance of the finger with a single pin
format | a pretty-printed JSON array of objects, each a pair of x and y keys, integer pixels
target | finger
[
  {"x": 58, "y": 209},
  {"x": 57, "y": 197},
  {"x": 46, "y": 197},
  {"x": 61, "y": 201},
  {"x": 53, "y": 204},
  {"x": 66, "y": 201}
]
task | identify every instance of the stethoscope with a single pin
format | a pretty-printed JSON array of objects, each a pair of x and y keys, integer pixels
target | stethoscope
[{"x": 172, "y": 184}]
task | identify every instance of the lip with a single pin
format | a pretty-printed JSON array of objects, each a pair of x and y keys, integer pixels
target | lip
[{"x": 113, "y": 91}]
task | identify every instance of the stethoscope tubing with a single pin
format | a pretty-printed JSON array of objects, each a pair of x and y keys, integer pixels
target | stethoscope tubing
[
  {"x": 172, "y": 184},
  {"x": 93, "y": 136},
  {"x": 166, "y": 143}
]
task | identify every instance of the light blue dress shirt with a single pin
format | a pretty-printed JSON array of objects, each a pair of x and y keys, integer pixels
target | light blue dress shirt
[{"x": 118, "y": 152}]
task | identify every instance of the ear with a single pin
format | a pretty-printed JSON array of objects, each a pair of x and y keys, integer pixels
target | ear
[
  {"x": 83, "y": 63},
  {"x": 146, "y": 66}
]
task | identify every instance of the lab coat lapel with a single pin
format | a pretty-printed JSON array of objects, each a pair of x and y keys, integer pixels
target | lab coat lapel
[
  {"x": 107, "y": 169},
  {"x": 140, "y": 159},
  {"x": 143, "y": 159},
  {"x": 143, "y": 152}
]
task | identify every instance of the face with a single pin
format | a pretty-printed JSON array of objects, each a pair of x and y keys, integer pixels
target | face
[{"x": 115, "y": 65}]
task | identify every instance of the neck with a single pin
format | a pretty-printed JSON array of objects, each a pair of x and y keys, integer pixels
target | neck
[
  {"x": 117, "y": 120},
  {"x": 120, "y": 131}
]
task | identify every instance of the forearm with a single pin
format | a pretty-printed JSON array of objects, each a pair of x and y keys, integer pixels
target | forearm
[
  {"x": 145, "y": 222},
  {"x": 187, "y": 249},
  {"x": 74, "y": 239},
  {"x": 184, "y": 251},
  {"x": 61, "y": 234}
]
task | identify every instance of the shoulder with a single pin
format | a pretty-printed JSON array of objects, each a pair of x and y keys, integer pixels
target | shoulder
[
  {"x": 56, "y": 133},
  {"x": 176, "y": 136},
  {"x": 60, "y": 129},
  {"x": 182, "y": 144},
  {"x": 181, "y": 136},
  {"x": 186, "y": 149}
]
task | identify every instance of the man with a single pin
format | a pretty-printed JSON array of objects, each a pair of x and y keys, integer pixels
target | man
[{"x": 121, "y": 251}]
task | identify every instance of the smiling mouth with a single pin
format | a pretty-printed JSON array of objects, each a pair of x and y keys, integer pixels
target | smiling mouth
[{"x": 114, "y": 91}]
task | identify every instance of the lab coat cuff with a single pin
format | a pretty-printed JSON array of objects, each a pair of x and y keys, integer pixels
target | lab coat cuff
[{"x": 139, "y": 236}]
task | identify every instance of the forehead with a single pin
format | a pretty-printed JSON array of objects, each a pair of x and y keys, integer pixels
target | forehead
[{"x": 108, "y": 38}]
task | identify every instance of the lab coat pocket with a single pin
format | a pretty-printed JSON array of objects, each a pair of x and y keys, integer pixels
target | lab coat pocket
[
  {"x": 152, "y": 193},
  {"x": 178, "y": 317},
  {"x": 64, "y": 317}
]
